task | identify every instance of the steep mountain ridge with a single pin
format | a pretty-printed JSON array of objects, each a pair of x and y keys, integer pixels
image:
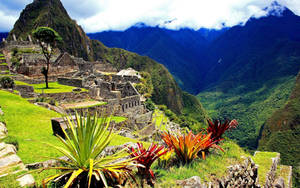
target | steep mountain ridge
[
  {"x": 177, "y": 50},
  {"x": 281, "y": 132},
  {"x": 51, "y": 13},
  {"x": 251, "y": 72},
  {"x": 252, "y": 52}
]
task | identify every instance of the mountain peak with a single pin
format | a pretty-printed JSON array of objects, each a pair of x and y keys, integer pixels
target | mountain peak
[
  {"x": 276, "y": 9},
  {"x": 51, "y": 13}
]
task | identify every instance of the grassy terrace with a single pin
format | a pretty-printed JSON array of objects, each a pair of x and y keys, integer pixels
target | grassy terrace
[
  {"x": 160, "y": 119},
  {"x": 54, "y": 87},
  {"x": 215, "y": 165},
  {"x": 264, "y": 160},
  {"x": 31, "y": 126}
]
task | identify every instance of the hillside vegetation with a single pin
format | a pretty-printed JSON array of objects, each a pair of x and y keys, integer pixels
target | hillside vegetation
[
  {"x": 281, "y": 132},
  {"x": 251, "y": 108}
]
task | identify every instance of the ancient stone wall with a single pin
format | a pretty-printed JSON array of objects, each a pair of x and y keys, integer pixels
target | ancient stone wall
[
  {"x": 126, "y": 89},
  {"x": 124, "y": 79},
  {"x": 271, "y": 175},
  {"x": 130, "y": 102},
  {"x": 25, "y": 91},
  {"x": 32, "y": 64},
  {"x": 67, "y": 97},
  {"x": 4, "y": 67},
  {"x": 86, "y": 66},
  {"x": 104, "y": 67},
  {"x": 75, "y": 82}
]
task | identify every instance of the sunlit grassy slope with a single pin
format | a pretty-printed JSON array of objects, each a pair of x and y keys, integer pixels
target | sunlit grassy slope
[
  {"x": 31, "y": 125},
  {"x": 54, "y": 87}
]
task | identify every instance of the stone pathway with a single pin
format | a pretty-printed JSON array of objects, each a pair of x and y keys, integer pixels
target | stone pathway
[{"x": 10, "y": 162}]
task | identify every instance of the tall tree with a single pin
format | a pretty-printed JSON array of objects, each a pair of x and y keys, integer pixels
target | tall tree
[{"x": 48, "y": 39}]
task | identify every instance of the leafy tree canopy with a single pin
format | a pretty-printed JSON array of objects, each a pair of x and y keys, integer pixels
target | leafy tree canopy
[{"x": 47, "y": 35}]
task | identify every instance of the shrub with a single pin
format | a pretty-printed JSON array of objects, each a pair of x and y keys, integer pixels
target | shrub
[
  {"x": 11, "y": 140},
  {"x": 146, "y": 157},
  {"x": 217, "y": 129},
  {"x": 187, "y": 146},
  {"x": 85, "y": 141},
  {"x": 7, "y": 82},
  {"x": 47, "y": 100},
  {"x": 149, "y": 104}
]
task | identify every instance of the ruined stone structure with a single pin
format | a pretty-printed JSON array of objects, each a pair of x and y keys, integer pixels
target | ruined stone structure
[
  {"x": 32, "y": 64},
  {"x": 76, "y": 82}
]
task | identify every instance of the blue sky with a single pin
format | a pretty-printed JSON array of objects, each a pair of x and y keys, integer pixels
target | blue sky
[{"x": 100, "y": 15}]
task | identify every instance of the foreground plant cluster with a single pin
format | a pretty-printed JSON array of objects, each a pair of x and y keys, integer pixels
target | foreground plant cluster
[{"x": 87, "y": 166}]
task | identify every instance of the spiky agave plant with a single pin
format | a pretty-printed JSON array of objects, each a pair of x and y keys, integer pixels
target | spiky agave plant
[
  {"x": 188, "y": 146},
  {"x": 146, "y": 157},
  {"x": 217, "y": 129},
  {"x": 84, "y": 141}
]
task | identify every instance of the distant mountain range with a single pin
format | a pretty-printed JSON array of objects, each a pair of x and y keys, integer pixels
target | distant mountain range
[
  {"x": 245, "y": 72},
  {"x": 180, "y": 51},
  {"x": 201, "y": 59}
]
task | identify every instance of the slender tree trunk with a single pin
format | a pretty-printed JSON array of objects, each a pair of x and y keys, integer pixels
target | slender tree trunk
[
  {"x": 46, "y": 80},
  {"x": 46, "y": 75}
]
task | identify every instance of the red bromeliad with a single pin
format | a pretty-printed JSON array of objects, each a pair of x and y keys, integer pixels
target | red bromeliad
[
  {"x": 146, "y": 157},
  {"x": 217, "y": 129}
]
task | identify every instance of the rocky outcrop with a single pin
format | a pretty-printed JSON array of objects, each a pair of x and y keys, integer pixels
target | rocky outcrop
[{"x": 241, "y": 175}]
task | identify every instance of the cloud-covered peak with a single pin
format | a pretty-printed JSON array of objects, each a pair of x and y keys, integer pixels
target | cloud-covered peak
[{"x": 95, "y": 15}]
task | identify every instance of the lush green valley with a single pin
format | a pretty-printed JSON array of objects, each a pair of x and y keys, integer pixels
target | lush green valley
[{"x": 250, "y": 107}]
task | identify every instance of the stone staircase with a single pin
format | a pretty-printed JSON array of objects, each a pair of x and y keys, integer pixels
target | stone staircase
[{"x": 10, "y": 162}]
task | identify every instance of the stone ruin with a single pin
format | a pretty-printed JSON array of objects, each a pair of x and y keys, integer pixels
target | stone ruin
[{"x": 19, "y": 42}]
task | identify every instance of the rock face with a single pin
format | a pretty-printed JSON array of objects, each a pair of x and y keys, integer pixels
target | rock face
[
  {"x": 26, "y": 181},
  {"x": 193, "y": 182}
]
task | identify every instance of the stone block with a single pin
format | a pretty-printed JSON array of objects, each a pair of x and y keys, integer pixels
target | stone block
[
  {"x": 9, "y": 161},
  {"x": 26, "y": 181}
]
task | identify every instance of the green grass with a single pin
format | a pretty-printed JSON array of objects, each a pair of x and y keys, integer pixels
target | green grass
[
  {"x": 31, "y": 126},
  {"x": 264, "y": 161},
  {"x": 10, "y": 181},
  {"x": 160, "y": 119},
  {"x": 2, "y": 57},
  {"x": 54, "y": 87},
  {"x": 3, "y": 63},
  {"x": 215, "y": 165},
  {"x": 4, "y": 75}
]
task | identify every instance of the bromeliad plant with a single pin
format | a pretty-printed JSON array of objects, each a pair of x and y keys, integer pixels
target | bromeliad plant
[
  {"x": 84, "y": 141},
  {"x": 146, "y": 157},
  {"x": 188, "y": 146},
  {"x": 217, "y": 129}
]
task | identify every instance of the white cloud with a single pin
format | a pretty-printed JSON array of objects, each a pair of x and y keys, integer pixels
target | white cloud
[{"x": 99, "y": 15}]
